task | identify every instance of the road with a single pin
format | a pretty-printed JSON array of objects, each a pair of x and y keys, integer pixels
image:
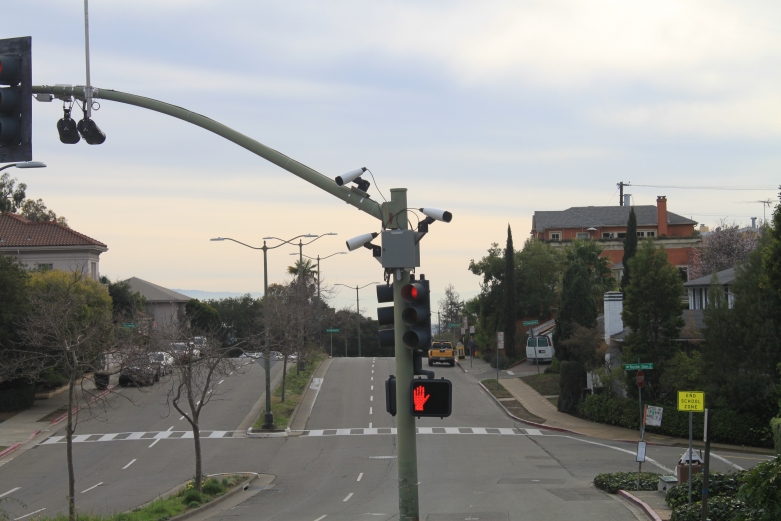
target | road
[{"x": 477, "y": 463}]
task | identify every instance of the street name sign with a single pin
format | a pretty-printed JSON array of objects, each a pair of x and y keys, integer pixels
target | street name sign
[
  {"x": 530, "y": 322},
  {"x": 332, "y": 330},
  {"x": 454, "y": 325},
  {"x": 691, "y": 401},
  {"x": 635, "y": 367}
]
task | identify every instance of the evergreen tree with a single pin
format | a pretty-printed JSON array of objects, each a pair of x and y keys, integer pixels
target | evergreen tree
[
  {"x": 509, "y": 304},
  {"x": 577, "y": 306},
  {"x": 630, "y": 248},
  {"x": 772, "y": 253},
  {"x": 652, "y": 310}
]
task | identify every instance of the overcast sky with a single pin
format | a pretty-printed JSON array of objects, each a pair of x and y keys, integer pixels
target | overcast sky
[{"x": 491, "y": 110}]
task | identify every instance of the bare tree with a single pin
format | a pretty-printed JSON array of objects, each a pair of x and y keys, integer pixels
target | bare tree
[{"x": 199, "y": 360}]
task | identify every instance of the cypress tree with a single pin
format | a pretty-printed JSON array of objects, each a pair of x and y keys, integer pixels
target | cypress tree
[
  {"x": 509, "y": 310},
  {"x": 577, "y": 306},
  {"x": 630, "y": 247}
]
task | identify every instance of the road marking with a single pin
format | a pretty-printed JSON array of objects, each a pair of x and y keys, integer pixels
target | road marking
[
  {"x": 382, "y": 457},
  {"x": 182, "y": 418},
  {"x": 510, "y": 373},
  {"x": 348, "y": 496},
  {"x": 93, "y": 486},
  {"x": 372, "y": 371},
  {"x": 28, "y": 515},
  {"x": 372, "y": 378},
  {"x": 370, "y": 425},
  {"x": 17, "y": 488},
  {"x": 231, "y": 374},
  {"x": 533, "y": 432},
  {"x": 152, "y": 436},
  {"x": 725, "y": 460},
  {"x": 503, "y": 431},
  {"x": 633, "y": 453},
  {"x": 154, "y": 443},
  {"x": 359, "y": 476},
  {"x": 371, "y": 398},
  {"x": 372, "y": 388},
  {"x": 321, "y": 517},
  {"x": 370, "y": 410},
  {"x": 218, "y": 383},
  {"x": 126, "y": 466}
]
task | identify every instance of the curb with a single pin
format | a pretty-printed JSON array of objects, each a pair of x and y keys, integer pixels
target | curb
[
  {"x": 461, "y": 366},
  {"x": 306, "y": 390},
  {"x": 540, "y": 425},
  {"x": 271, "y": 434},
  {"x": 76, "y": 409},
  {"x": 15, "y": 446},
  {"x": 650, "y": 512}
]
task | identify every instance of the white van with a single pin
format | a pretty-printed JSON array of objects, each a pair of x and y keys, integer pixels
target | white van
[{"x": 540, "y": 348}]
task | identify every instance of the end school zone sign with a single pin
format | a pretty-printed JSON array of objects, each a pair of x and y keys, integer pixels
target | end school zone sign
[{"x": 691, "y": 401}]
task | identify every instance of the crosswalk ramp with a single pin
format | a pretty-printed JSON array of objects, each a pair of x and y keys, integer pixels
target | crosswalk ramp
[
  {"x": 134, "y": 436},
  {"x": 425, "y": 430}
]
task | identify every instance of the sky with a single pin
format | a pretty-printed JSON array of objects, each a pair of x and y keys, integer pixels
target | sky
[{"x": 490, "y": 110}]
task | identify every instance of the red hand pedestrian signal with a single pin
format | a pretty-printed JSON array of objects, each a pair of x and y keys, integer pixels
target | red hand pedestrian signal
[{"x": 420, "y": 397}]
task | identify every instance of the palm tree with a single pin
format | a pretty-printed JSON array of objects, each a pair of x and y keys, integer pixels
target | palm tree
[{"x": 306, "y": 269}]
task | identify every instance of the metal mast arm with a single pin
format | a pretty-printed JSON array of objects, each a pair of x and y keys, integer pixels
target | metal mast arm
[{"x": 294, "y": 167}]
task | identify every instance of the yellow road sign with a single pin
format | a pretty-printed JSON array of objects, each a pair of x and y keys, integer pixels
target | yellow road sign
[{"x": 691, "y": 401}]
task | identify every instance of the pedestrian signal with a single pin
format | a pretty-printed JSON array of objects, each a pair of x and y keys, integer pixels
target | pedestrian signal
[{"x": 431, "y": 398}]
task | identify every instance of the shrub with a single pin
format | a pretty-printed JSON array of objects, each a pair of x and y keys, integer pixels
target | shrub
[
  {"x": 191, "y": 496},
  {"x": 212, "y": 487},
  {"x": 19, "y": 399},
  {"x": 504, "y": 363},
  {"x": 193, "y": 504},
  {"x": 726, "y": 485},
  {"x": 615, "y": 481},
  {"x": 775, "y": 426},
  {"x": 722, "y": 508},
  {"x": 762, "y": 488},
  {"x": 554, "y": 367},
  {"x": 571, "y": 385}
]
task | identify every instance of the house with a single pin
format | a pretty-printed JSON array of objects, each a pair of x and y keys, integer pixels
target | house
[
  {"x": 48, "y": 244},
  {"x": 166, "y": 306},
  {"x": 607, "y": 225},
  {"x": 697, "y": 289}
]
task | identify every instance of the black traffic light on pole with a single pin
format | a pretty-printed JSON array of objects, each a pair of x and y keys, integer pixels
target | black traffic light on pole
[
  {"x": 431, "y": 398},
  {"x": 417, "y": 314},
  {"x": 16, "y": 105},
  {"x": 385, "y": 315}
]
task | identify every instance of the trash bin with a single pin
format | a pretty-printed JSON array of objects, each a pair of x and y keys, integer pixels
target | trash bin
[
  {"x": 682, "y": 469},
  {"x": 101, "y": 381}
]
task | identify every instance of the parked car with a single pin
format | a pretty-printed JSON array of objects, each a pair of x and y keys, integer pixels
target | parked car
[
  {"x": 138, "y": 375},
  {"x": 182, "y": 352},
  {"x": 164, "y": 363}
]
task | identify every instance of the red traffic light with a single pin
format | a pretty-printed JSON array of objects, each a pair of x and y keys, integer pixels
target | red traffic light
[
  {"x": 414, "y": 292},
  {"x": 432, "y": 398}
]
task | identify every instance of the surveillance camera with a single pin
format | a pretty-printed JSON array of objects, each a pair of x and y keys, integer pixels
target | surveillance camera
[
  {"x": 349, "y": 176},
  {"x": 357, "y": 242},
  {"x": 439, "y": 215}
]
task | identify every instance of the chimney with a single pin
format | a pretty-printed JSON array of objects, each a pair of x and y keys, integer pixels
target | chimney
[
  {"x": 753, "y": 222},
  {"x": 614, "y": 305},
  {"x": 627, "y": 199},
  {"x": 661, "y": 215}
]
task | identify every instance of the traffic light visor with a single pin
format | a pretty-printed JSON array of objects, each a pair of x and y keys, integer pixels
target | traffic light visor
[{"x": 10, "y": 68}]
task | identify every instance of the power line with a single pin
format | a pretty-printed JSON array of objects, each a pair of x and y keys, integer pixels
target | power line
[{"x": 748, "y": 188}]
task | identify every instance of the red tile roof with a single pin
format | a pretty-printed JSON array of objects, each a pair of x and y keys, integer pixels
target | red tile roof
[{"x": 16, "y": 231}]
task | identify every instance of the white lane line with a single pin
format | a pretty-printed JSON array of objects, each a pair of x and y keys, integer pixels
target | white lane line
[
  {"x": 370, "y": 425},
  {"x": 10, "y": 491},
  {"x": 126, "y": 466},
  {"x": 154, "y": 443},
  {"x": 371, "y": 398},
  {"x": 372, "y": 378},
  {"x": 321, "y": 517},
  {"x": 28, "y": 515},
  {"x": 372, "y": 371},
  {"x": 182, "y": 418},
  {"x": 348, "y": 496},
  {"x": 370, "y": 410},
  {"x": 93, "y": 486},
  {"x": 231, "y": 374},
  {"x": 633, "y": 453},
  {"x": 359, "y": 476},
  {"x": 372, "y": 388},
  {"x": 218, "y": 383},
  {"x": 721, "y": 458}
]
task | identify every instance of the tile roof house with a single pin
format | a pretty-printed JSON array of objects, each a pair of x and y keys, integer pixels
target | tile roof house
[
  {"x": 697, "y": 289},
  {"x": 607, "y": 224},
  {"x": 49, "y": 244},
  {"x": 165, "y": 305}
]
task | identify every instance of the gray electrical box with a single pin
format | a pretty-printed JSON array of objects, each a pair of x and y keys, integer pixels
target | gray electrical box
[{"x": 400, "y": 249}]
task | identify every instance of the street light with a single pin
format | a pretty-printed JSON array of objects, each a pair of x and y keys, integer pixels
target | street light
[
  {"x": 268, "y": 418},
  {"x": 25, "y": 164},
  {"x": 318, "y": 259},
  {"x": 358, "y": 308},
  {"x": 301, "y": 248}
]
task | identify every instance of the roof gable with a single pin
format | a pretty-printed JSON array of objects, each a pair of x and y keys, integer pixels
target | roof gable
[
  {"x": 154, "y": 293},
  {"x": 587, "y": 216},
  {"x": 726, "y": 277},
  {"x": 18, "y": 232}
]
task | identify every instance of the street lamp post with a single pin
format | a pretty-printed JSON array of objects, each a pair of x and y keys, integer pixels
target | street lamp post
[
  {"x": 358, "y": 308},
  {"x": 268, "y": 418},
  {"x": 318, "y": 259},
  {"x": 301, "y": 249},
  {"x": 25, "y": 164}
]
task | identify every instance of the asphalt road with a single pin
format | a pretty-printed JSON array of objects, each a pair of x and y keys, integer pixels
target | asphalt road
[{"x": 344, "y": 466}]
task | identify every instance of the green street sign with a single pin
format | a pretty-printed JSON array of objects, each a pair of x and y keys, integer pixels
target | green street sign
[
  {"x": 454, "y": 325},
  {"x": 331, "y": 330},
  {"x": 530, "y": 322},
  {"x": 635, "y": 367},
  {"x": 129, "y": 325}
]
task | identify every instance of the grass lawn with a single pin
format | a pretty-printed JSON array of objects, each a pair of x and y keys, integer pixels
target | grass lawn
[
  {"x": 499, "y": 392},
  {"x": 295, "y": 386},
  {"x": 514, "y": 407},
  {"x": 545, "y": 384}
]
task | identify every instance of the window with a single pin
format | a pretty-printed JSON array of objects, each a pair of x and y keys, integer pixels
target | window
[
  {"x": 582, "y": 235},
  {"x": 542, "y": 341},
  {"x": 555, "y": 236},
  {"x": 621, "y": 235},
  {"x": 607, "y": 235},
  {"x": 646, "y": 233},
  {"x": 94, "y": 270}
]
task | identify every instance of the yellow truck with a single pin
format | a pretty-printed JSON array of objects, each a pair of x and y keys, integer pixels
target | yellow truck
[{"x": 441, "y": 352}]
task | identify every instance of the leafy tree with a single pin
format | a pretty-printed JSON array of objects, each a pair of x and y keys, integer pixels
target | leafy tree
[
  {"x": 630, "y": 248},
  {"x": 772, "y": 253},
  {"x": 36, "y": 211},
  {"x": 683, "y": 373},
  {"x": 538, "y": 271},
  {"x": 722, "y": 249},
  {"x": 13, "y": 199},
  {"x": 238, "y": 314},
  {"x": 585, "y": 345},
  {"x": 449, "y": 312},
  {"x": 202, "y": 316},
  {"x": 652, "y": 310},
  {"x": 510, "y": 293},
  {"x": 589, "y": 253},
  {"x": 577, "y": 306},
  {"x": 13, "y": 281},
  {"x": 125, "y": 302}
]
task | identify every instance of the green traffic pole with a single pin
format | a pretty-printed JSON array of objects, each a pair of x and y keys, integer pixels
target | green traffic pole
[
  {"x": 358, "y": 308},
  {"x": 268, "y": 417}
]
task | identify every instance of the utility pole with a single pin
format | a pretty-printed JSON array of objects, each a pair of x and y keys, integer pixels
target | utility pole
[{"x": 621, "y": 193}]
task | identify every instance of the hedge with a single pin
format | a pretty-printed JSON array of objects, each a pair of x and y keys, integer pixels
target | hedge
[
  {"x": 728, "y": 426},
  {"x": 12, "y": 400},
  {"x": 615, "y": 481},
  {"x": 722, "y": 508},
  {"x": 775, "y": 425},
  {"x": 718, "y": 484}
]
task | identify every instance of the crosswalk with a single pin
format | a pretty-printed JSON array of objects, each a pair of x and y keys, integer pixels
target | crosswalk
[
  {"x": 134, "y": 436},
  {"x": 425, "y": 430}
]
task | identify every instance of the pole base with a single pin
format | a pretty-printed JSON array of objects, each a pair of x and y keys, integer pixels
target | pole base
[{"x": 268, "y": 421}]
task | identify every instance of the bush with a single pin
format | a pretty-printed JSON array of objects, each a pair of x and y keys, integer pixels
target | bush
[
  {"x": 762, "y": 488},
  {"x": 571, "y": 385},
  {"x": 193, "y": 504},
  {"x": 212, "y": 487},
  {"x": 721, "y": 508},
  {"x": 191, "y": 496},
  {"x": 504, "y": 363},
  {"x": 18, "y": 399},
  {"x": 615, "y": 481},
  {"x": 775, "y": 426},
  {"x": 554, "y": 367},
  {"x": 719, "y": 484}
]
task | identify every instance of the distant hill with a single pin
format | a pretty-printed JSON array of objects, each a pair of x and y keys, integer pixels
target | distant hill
[{"x": 214, "y": 295}]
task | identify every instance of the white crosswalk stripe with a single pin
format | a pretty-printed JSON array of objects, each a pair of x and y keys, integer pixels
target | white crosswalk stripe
[
  {"x": 144, "y": 436},
  {"x": 425, "y": 430}
]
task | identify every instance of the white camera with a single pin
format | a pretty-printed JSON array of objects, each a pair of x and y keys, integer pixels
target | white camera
[
  {"x": 439, "y": 215},
  {"x": 357, "y": 242},
  {"x": 350, "y": 176}
]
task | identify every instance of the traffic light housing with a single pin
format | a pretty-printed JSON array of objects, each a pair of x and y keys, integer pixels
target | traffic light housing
[
  {"x": 431, "y": 398},
  {"x": 16, "y": 105},
  {"x": 385, "y": 315},
  {"x": 390, "y": 395},
  {"x": 417, "y": 314}
]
